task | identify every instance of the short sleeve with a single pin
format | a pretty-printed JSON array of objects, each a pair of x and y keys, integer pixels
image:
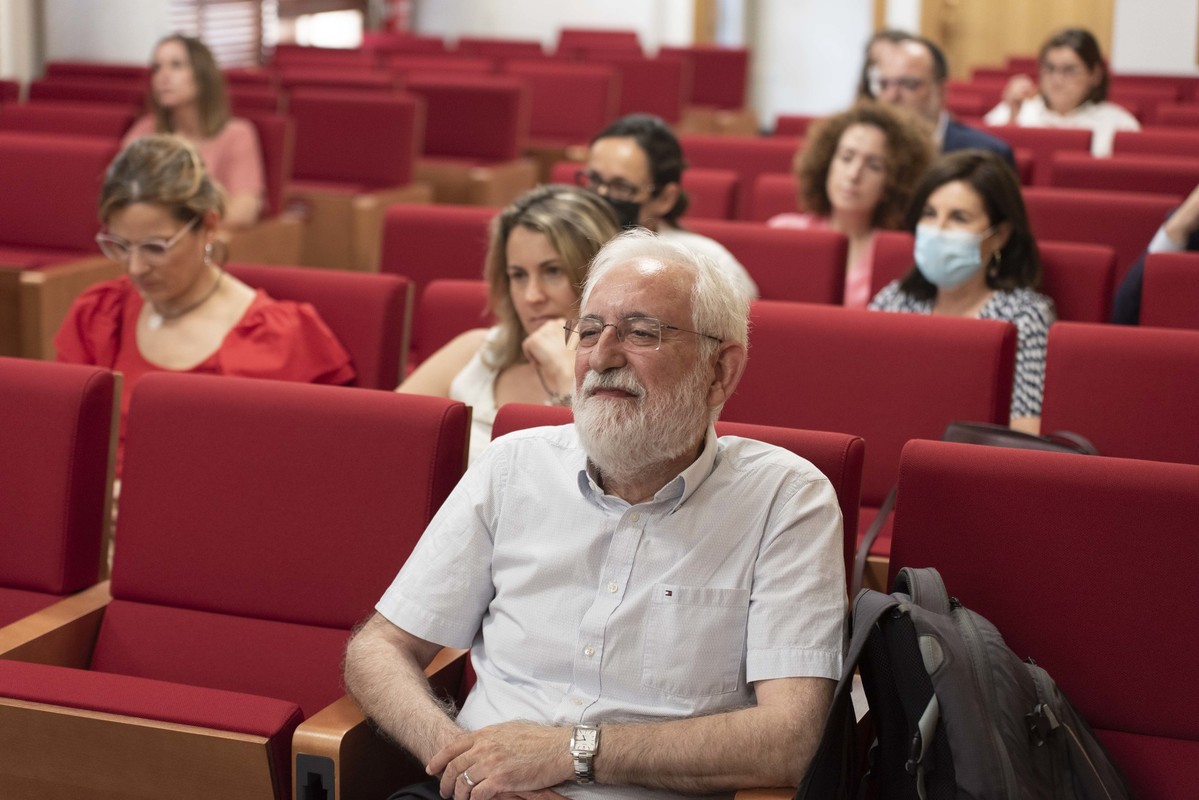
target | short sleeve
[
  {"x": 235, "y": 158},
  {"x": 285, "y": 341},
  {"x": 91, "y": 332},
  {"x": 999, "y": 115},
  {"x": 143, "y": 127},
  {"x": 1032, "y": 319}
]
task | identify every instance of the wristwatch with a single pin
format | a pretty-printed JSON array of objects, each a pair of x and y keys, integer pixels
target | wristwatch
[{"x": 584, "y": 744}]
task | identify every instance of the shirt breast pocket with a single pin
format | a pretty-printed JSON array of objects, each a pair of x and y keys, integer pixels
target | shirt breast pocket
[{"x": 695, "y": 640}]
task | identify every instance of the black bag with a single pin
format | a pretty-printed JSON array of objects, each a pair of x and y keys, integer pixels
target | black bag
[{"x": 957, "y": 714}]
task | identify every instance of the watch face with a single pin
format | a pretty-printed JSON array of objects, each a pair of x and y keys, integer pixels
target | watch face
[{"x": 586, "y": 739}]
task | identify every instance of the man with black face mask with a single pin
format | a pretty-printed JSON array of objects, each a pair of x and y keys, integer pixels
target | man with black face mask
[{"x": 636, "y": 164}]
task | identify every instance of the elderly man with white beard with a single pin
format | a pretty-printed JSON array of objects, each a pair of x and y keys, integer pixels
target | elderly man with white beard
[{"x": 652, "y": 612}]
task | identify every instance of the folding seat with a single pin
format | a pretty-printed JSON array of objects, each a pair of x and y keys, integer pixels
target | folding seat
[
  {"x": 1075, "y": 559},
  {"x": 1126, "y": 172},
  {"x": 1176, "y": 115},
  {"x": 278, "y": 236},
  {"x": 10, "y": 91},
  {"x": 750, "y": 156},
  {"x": 773, "y": 193},
  {"x": 476, "y": 129},
  {"x": 574, "y": 40},
  {"x": 712, "y": 193},
  {"x": 353, "y": 158},
  {"x": 448, "y": 307},
  {"x": 260, "y": 521},
  {"x": 55, "y": 470},
  {"x": 76, "y": 119},
  {"x": 837, "y": 455},
  {"x": 1043, "y": 143},
  {"x": 655, "y": 86},
  {"x": 1125, "y": 221},
  {"x": 369, "y": 314},
  {"x": 885, "y": 377},
  {"x": 97, "y": 70},
  {"x": 1158, "y": 141},
  {"x": 47, "y": 232},
  {"x": 426, "y": 242},
  {"x": 89, "y": 91},
  {"x": 1170, "y": 291},
  {"x": 500, "y": 48},
  {"x": 568, "y": 104},
  {"x": 1132, "y": 391},
  {"x": 794, "y": 124},
  {"x": 796, "y": 265},
  {"x": 716, "y": 101}
]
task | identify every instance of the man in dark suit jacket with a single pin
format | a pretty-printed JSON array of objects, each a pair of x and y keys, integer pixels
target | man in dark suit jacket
[
  {"x": 912, "y": 74},
  {"x": 1180, "y": 232}
]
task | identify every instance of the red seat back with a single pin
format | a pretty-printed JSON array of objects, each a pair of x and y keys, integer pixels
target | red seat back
[
  {"x": 402, "y": 65},
  {"x": 484, "y": 117},
  {"x": 369, "y": 314},
  {"x": 655, "y": 86},
  {"x": 719, "y": 75},
  {"x": 60, "y": 178},
  {"x": 1140, "y": 99},
  {"x": 313, "y": 77},
  {"x": 97, "y": 70},
  {"x": 796, "y": 265},
  {"x": 253, "y": 99},
  {"x": 1125, "y": 221},
  {"x": 576, "y": 39},
  {"x": 749, "y": 156},
  {"x": 76, "y": 119},
  {"x": 261, "y": 520},
  {"x": 1043, "y": 143},
  {"x": 428, "y": 242},
  {"x": 1073, "y": 558},
  {"x": 10, "y": 91},
  {"x": 773, "y": 193},
  {"x": 54, "y": 472},
  {"x": 1170, "y": 289},
  {"x": 1177, "y": 115},
  {"x": 500, "y": 48},
  {"x": 447, "y": 308},
  {"x": 89, "y": 91},
  {"x": 885, "y": 377},
  {"x": 291, "y": 55},
  {"x": 1128, "y": 173},
  {"x": 355, "y": 138},
  {"x": 794, "y": 124},
  {"x": 276, "y": 137},
  {"x": 1157, "y": 141},
  {"x": 569, "y": 102},
  {"x": 1131, "y": 391}
]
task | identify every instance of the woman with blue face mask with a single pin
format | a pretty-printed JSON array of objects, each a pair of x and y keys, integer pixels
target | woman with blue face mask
[{"x": 976, "y": 257}]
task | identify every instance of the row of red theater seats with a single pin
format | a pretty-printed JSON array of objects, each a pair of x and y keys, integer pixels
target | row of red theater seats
[{"x": 213, "y": 598}]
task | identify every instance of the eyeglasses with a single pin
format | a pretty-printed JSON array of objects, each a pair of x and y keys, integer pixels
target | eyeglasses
[
  {"x": 1065, "y": 70},
  {"x": 635, "y": 333},
  {"x": 153, "y": 251},
  {"x": 908, "y": 84},
  {"x": 617, "y": 188}
]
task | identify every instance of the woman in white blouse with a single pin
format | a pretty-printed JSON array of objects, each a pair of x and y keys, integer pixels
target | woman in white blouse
[{"x": 1072, "y": 93}]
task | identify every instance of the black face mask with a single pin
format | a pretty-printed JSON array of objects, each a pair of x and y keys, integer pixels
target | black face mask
[{"x": 628, "y": 213}]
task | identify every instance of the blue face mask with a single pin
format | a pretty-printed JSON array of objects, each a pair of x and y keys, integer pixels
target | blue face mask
[{"x": 948, "y": 258}]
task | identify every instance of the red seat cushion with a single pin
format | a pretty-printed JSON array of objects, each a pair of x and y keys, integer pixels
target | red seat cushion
[{"x": 18, "y": 603}]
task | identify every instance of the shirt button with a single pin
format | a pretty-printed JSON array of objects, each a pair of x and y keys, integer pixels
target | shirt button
[
  {"x": 578, "y": 702},
  {"x": 589, "y": 651},
  {"x": 635, "y": 516},
  {"x": 612, "y": 587}
]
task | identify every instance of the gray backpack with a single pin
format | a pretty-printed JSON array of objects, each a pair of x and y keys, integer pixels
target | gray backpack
[{"x": 957, "y": 714}]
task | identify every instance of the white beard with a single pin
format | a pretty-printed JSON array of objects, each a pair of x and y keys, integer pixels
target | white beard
[{"x": 624, "y": 438}]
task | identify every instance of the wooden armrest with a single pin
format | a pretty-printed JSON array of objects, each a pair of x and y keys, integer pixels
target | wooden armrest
[
  {"x": 62, "y": 634},
  {"x": 339, "y": 749},
  {"x": 47, "y": 294},
  {"x": 277, "y": 240},
  {"x": 369, "y": 209}
]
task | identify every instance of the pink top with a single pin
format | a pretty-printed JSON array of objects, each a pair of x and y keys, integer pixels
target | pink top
[
  {"x": 274, "y": 339},
  {"x": 857, "y": 276},
  {"x": 233, "y": 157}
]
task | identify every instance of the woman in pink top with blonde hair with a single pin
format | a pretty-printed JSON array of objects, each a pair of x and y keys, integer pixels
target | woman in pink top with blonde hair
[
  {"x": 856, "y": 174},
  {"x": 188, "y": 99}
]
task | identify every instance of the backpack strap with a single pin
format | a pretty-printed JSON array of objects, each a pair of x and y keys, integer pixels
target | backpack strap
[
  {"x": 924, "y": 586},
  {"x": 831, "y": 773},
  {"x": 876, "y": 527}
]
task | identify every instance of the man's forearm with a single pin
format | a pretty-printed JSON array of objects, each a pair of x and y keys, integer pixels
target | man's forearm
[{"x": 387, "y": 682}]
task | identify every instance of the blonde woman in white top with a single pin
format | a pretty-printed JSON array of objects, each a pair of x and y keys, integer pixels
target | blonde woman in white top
[{"x": 1072, "y": 93}]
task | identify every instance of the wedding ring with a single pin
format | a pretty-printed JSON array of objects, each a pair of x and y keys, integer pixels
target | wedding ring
[{"x": 466, "y": 779}]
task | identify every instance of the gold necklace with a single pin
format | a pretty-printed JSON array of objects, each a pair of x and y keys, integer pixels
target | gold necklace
[{"x": 158, "y": 316}]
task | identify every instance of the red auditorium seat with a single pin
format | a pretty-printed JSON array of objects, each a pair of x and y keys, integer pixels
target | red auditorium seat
[
  {"x": 1081, "y": 562},
  {"x": 711, "y": 193},
  {"x": 655, "y": 86},
  {"x": 428, "y": 242},
  {"x": 476, "y": 129},
  {"x": 97, "y": 70},
  {"x": 1170, "y": 291},
  {"x": 572, "y": 40},
  {"x": 500, "y": 48},
  {"x": 1132, "y": 391},
  {"x": 447, "y": 308},
  {"x": 1079, "y": 277},
  {"x": 569, "y": 103},
  {"x": 795, "y": 265},
  {"x": 773, "y": 193},
  {"x": 277, "y": 237},
  {"x": 291, "y": 55},
  {"x": 384, "y": 44},
  {"x": 749, "y": 156},
  {"x": 251, "y": 77},
  {"x": 1177, "y": 115},
  {"x": 354, "y": 157},
  {"x": 10, "y": 91},
  {"x": 260, "y": 521},
  {"x": 1126, "y": 173},
  {"x": 404, "y": 64},
  {"x": 55, "y": 474},
  {"x": 794, "y": 124},
  {"x": 1140, "y": 100},
  {"x": 1158, "y": 141},
  {"x": 119, "y": 92},
  {"x": 48, "y": 251},
  {"x": 247, "y": 99},
  {"x": 369, "y": 314},
  {"x": 74, "y": 119},
  {"x": 885, "y": 377},
  {"x": 340, "y": 78},
  {"x": 1043, "y": 143},
  {"x": 837, "y": 455},
  {"x": 719, "y": 80},
  {"x": 1125, "y": 221}
]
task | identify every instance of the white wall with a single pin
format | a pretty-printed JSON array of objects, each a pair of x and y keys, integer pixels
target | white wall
[
  {"x": 1155, "y": 36},
  {"x": 118, "y": 31},
  {"x": 18, "y": 32},
  {"x": 657, "y": 22}
]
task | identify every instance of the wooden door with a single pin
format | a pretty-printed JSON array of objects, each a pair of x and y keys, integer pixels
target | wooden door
[{"x": 983, "y": 33}]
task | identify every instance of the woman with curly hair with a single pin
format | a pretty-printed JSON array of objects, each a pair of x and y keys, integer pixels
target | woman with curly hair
[{"x": 856, "y": 175}]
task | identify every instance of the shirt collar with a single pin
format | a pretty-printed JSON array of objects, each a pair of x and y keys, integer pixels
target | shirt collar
[{"x": 679, "y": 489}]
